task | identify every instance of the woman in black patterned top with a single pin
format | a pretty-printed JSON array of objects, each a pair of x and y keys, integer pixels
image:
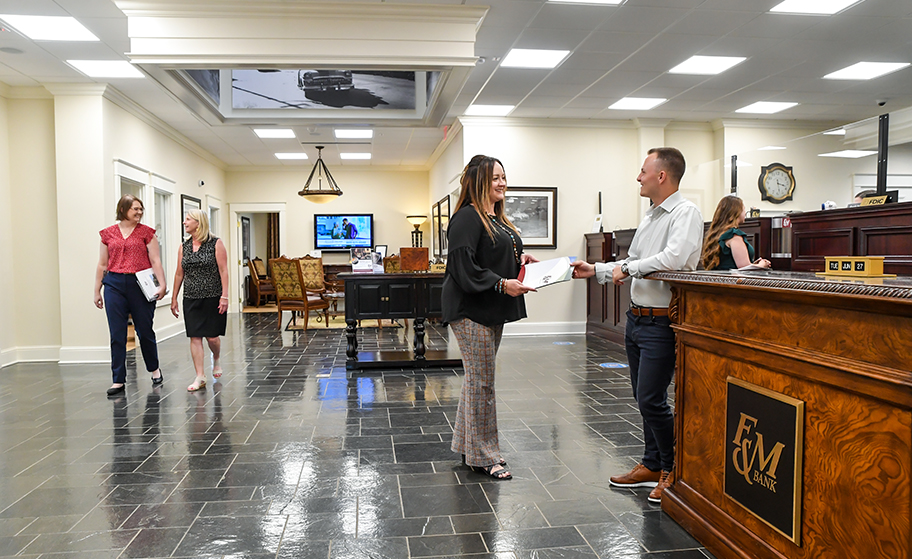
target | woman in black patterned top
[{"x": 202, "y": 266}]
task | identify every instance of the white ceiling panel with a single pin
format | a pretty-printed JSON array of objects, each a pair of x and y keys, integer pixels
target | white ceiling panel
[
  {"x": 776, "y": 26},
  {"x": 555, "y": 15},
  {"x": 714, "y": 23},
  {"x": 615, "y": 41},
  {"x": 555, "y": 39},
  {"x": 630, "y": 17},
  {"x": 514, "y": 81}
]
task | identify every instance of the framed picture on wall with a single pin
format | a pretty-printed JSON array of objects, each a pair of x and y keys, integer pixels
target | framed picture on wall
[
  {"x": 245, "y": 239},
  {"x": 444, "y": 209},
  {"x": 435, "y": 230},
  {"x": 188, "y": 203},
  {"x": 533, "y": 210}
]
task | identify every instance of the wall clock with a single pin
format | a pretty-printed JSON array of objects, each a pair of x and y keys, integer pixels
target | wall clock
[{"x": 776, "y": 182}]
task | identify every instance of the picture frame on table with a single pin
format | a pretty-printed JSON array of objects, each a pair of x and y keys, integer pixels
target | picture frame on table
[
  {"x": 245, "y": 239},
  {"x": 188, "y": 203},
  {"x": 533, "y": 210}
]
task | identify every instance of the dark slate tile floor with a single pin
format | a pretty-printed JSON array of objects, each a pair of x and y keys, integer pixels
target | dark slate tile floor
[{"x": 290, "y": 456}]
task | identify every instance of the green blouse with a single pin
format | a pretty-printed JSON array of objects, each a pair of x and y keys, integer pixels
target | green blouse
[{"x": 726, "y": 260}]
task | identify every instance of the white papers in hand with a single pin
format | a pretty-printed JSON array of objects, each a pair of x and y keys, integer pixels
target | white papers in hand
[
  {"x": 751, "y": 268},
  {"x": 547, "y": 272},
  {"x": 148, "y": 283}
]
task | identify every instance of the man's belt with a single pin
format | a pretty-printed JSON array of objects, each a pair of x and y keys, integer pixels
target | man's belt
[{"x": 649, "y": 311}]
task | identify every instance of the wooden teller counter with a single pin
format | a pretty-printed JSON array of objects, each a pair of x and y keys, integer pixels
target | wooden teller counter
[{"x": 793, "y": 414}]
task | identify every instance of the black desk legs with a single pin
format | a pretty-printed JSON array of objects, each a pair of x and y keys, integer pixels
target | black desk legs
[
  {"x": 419, "y": 339},
  {"x": 351, "y": 333}
]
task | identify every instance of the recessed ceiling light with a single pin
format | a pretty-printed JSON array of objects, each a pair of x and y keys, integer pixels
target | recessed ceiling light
[
  {"x": 770, "y": 148},
  {"x": 637, "y": 104},
  {"x": 293, "y": 155},
  {"x": 849, "y": 153},
  {"x": 766, "y": 107},
  {"x": 50, "y": 28},
  {"x": 837, "y": 132},
  {"x": 489, "y": 110},
  {"x": 361, "y": 133},
  {"x": 355, "y": 155},
  {"x": 866, "y": 70},
  {"x": 706, "y": 65},
  {"x": 813, "y": 7},
  {"x": 601, "y": 2},
  {"x": 106, "y": 68},
  {"x": 274, "y": 132},
  {"x": 534, "y": 58}
]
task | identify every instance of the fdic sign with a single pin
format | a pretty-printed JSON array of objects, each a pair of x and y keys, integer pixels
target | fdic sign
[{"x": 764, "y": 443}]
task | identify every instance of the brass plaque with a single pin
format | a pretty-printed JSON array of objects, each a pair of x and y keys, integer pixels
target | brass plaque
[{"x": 764, "y": 445}]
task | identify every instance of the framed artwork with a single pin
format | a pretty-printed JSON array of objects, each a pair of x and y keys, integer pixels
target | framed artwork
[
  {"x": 245, "y": 239},
  {"x": 435, "y": 230},
  {"x": 444, "y": 207},
  {"x": 188, "y": 203},
  {"x": 533, "y": 210}
]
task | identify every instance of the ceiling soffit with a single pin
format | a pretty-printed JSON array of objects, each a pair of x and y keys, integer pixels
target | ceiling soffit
[{"x": 217, "y": 34}]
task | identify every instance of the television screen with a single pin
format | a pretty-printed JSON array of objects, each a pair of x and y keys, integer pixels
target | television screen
[{"x": 343, "y": 231}]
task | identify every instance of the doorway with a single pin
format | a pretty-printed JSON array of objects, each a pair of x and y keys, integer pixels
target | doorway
[{"x": 240, "y": 271}]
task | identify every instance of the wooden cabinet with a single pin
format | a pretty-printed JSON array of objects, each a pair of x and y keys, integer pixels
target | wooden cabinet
[
  {"x": 866, "y": 231},
  {"x": 388, "y": 296}
]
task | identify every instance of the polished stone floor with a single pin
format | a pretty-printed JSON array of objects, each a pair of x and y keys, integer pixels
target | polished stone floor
[{"x": 292, "y": 456}]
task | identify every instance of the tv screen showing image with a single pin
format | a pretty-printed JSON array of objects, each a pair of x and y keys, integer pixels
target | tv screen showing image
[{"x": 339, "y": 232}]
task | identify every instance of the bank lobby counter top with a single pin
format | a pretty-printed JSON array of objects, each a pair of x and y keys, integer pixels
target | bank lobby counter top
[{"x": 793, "y": 414}]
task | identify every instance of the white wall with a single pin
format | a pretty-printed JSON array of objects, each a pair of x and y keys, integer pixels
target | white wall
[{"x": 389, "y": 195}]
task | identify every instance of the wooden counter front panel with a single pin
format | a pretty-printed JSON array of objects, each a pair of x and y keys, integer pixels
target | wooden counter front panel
[{"x": 857, "y": 437}]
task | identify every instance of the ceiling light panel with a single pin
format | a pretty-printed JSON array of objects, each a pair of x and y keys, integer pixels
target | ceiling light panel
[
  {"x": 49, "y": 28},
  {"x": 766, "y": 107},
  {"x": 598, "y": 2},
  {"x": 866, "y": 70},
  {"x": 274, "y": 132},
  {"x": 106, "y": 68},
  {"x": 849, "y": 153},
  {"x": 534, "y": 58},
  {"x": 348, "y": 134},
  {"x": 706, "y": 65},
  {"x": 837, "y": 132},
  {"x": 813, "y": 7},
  {"x": 771, "y": 148},
  {"x": 293, "y": 155},
  {"x": 355, "y": 155},
  {"x": 489, "y": 110},
  {"x": 637, "y": 104}
]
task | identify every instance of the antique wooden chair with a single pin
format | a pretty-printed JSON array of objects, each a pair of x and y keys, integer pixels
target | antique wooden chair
[
  {"x": 290, "y": 292},
  {"x": 263, "y": 289},
  {"x": 314, "y": 285}
]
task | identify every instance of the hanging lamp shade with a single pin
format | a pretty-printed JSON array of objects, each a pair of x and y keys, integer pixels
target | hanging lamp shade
[{"x": 320, "y": 193}]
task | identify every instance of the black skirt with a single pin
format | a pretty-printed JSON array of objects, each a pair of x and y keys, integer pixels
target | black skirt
[{"x": 202, "y": 319}]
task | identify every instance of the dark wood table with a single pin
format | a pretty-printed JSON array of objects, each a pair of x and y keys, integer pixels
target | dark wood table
[{"x": 392, "y": 296}]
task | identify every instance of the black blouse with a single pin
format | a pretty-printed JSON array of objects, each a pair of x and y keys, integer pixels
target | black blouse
[{"x": 474, "y": 265}]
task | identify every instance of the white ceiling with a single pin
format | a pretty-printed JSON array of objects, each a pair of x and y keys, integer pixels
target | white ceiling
[{"x": 615, "y": 52}]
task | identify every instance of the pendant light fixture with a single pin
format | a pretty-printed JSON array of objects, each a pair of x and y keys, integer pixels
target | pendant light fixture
[{"x": 318, "y": 194}]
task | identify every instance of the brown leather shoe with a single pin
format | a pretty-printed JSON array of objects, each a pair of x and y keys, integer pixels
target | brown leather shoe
[
  {"x": 668, "y": 478},
  {"x": 640, "y": 476}
]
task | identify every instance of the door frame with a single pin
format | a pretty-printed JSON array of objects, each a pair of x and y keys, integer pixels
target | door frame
[{"x": 236, "y": 271}]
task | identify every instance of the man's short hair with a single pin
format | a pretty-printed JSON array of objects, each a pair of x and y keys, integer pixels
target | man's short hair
[{"x": 672, "y": 161}]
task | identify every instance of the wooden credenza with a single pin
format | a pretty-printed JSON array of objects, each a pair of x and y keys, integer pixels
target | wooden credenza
[
  {"x": 840, "y": 348},
  {"x": 390, "y": 296}
]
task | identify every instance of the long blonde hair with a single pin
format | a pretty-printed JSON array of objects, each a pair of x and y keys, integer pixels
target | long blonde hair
[
  {"x": 202, "y": 232},
  {"x": 726, "y": 216},
  {"x": 476, "y": 181}
]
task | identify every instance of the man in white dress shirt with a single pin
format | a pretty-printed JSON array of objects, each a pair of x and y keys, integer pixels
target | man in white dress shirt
[{"x": 669, "y": 238}]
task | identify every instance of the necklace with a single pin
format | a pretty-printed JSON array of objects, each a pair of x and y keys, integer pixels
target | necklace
[{"x": 509, "y": 232}]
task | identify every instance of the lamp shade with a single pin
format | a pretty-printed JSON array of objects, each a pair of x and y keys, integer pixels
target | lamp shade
[{"x": 416, "y": 220}]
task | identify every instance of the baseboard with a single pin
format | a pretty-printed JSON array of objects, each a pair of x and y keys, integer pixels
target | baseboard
[
  {"x": 162, "y": 334},
  {"x": 85, "y": 354},
  {"x": 31, "y": 354},
  {"x": 523, "y": 328}
]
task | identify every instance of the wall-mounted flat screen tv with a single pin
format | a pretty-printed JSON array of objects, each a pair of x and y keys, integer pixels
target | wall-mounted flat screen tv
[{"x": 338, "y": 232}]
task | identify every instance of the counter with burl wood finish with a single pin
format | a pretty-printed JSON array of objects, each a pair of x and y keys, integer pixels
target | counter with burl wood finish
[{"x": 836, "y": 354}]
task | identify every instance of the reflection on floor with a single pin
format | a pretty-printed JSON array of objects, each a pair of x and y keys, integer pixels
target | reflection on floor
[{"x": 290, "y": 456}]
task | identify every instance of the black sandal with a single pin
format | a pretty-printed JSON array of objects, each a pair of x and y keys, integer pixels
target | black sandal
[{"x": 502, "y": 473}]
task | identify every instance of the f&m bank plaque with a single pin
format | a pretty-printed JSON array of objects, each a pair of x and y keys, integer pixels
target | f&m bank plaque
[{"x": 764, "y": 443}]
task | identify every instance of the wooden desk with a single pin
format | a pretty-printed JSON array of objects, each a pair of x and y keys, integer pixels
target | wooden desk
[
  {"x": 388, "y": 296},
  {"x": 840, "y": 347}
]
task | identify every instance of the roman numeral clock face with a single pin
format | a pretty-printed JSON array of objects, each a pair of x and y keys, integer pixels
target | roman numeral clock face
[{"x": 776, "y": 182}]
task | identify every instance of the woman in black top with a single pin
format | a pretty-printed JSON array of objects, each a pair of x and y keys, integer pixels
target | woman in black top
[
  {"x": 203, "y": 263},
  {"x": 480, "y": 294}
]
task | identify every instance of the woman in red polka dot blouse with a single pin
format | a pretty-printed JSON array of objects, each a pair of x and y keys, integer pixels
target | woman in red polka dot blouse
[{"x": 128, "y": 247}]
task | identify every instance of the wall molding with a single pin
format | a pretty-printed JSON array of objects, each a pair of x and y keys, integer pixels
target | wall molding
[{"x": 84, "y": 354}]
